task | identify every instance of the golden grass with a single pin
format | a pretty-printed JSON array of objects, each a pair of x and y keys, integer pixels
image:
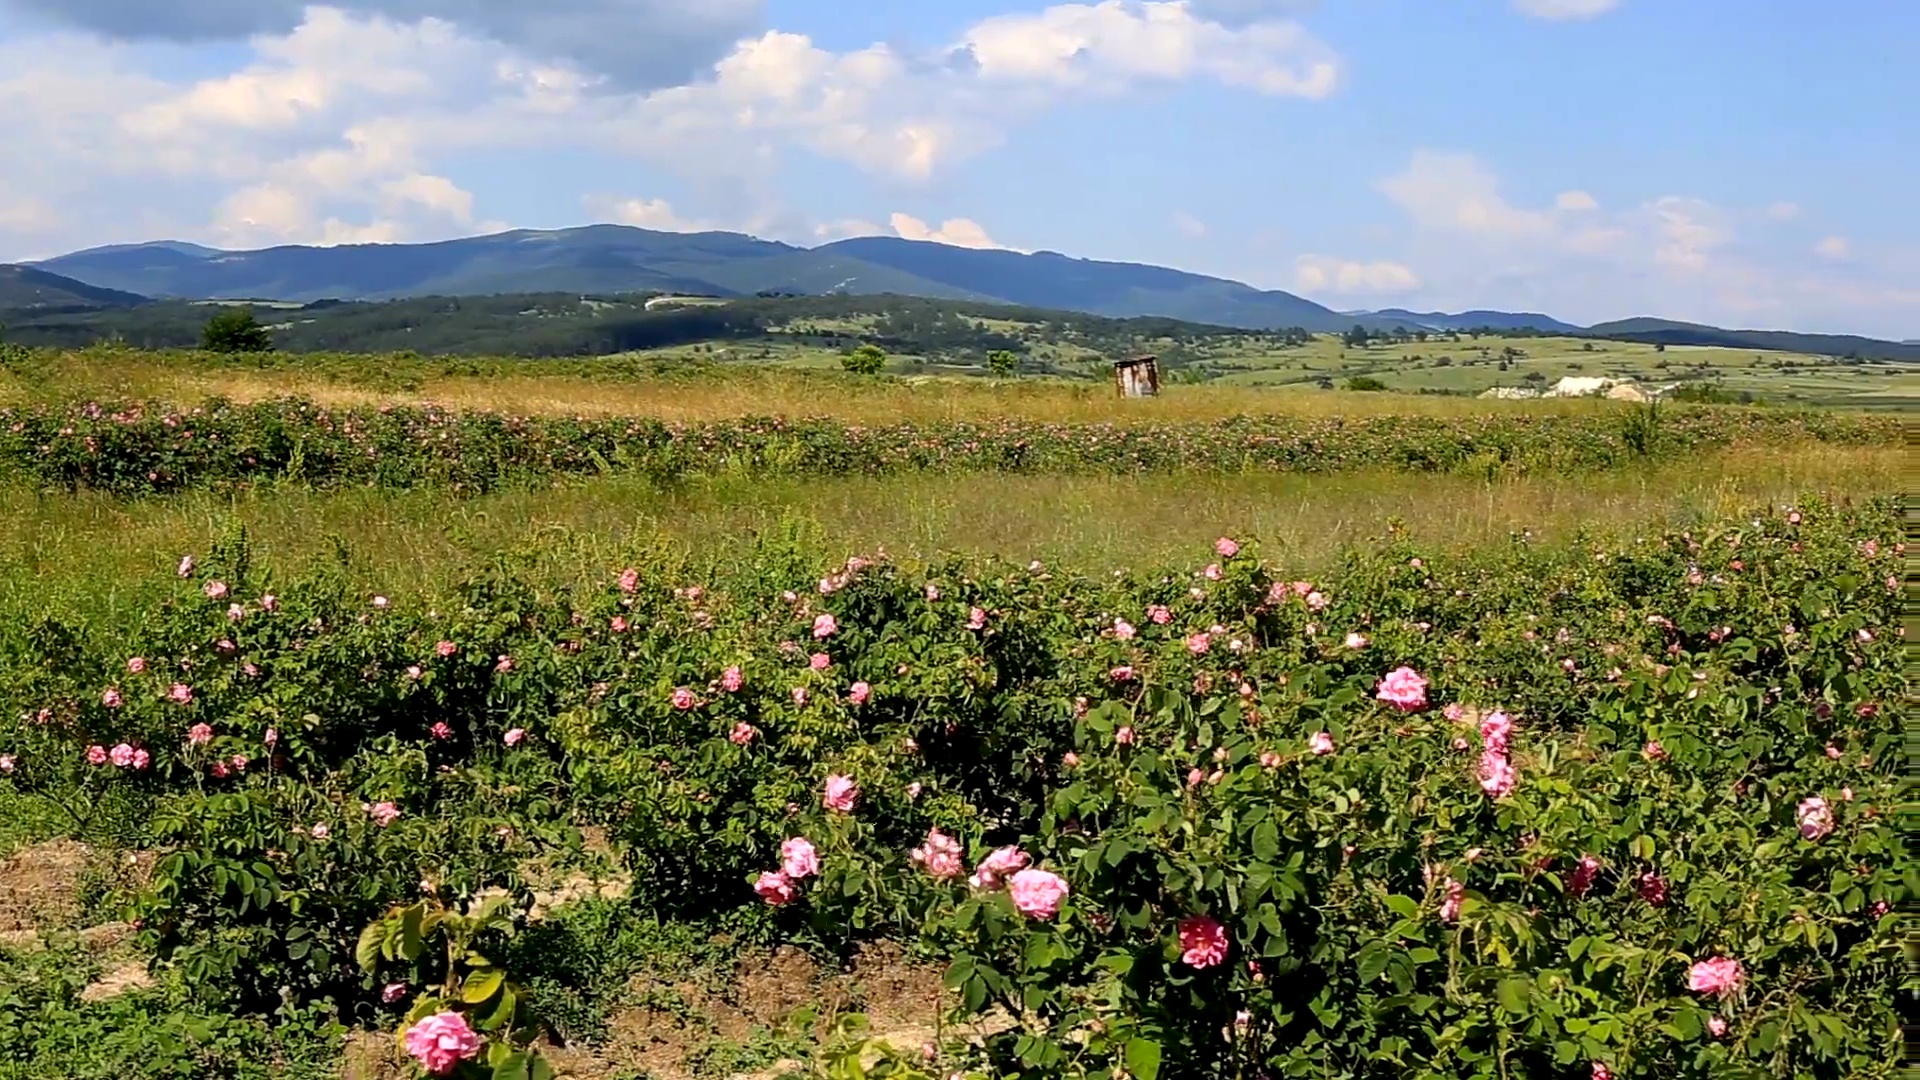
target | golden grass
[
  {"x": 423, "y": 541},
  {"x": 574, "y": 388}
]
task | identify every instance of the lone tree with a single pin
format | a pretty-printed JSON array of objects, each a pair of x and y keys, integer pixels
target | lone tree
[
  {"x": 1003, "y": 363},
  {"x": 235, "y": 331},
  {"x": 867, "y": 359}
]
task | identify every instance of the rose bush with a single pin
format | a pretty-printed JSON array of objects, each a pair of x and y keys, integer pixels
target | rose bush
[{"x": 1172, "y": 823}]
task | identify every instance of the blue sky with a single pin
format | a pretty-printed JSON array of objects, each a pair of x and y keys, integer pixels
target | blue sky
[{"x": 1743, "y": 163}]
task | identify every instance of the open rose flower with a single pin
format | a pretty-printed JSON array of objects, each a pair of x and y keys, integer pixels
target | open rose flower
[
  {"x": 1404, "y": 689},
  {"x": 841, "y": 794},
  {"x": 1320, "y": 743},
  {"x": 1225, "y": 548},
  {"x": 1815, "y": 817},
  {"x": 860, "y": 693},
  {"x": 798, "y": 859},
  {"x": 774, "y": 887},
  {"x": 384, "y": 813},
  {"x": 995, "y": 868},
  {"x": 939, "y": 856},
  {"x": 1721, "y": 975},
  {"x": 441, "y": 1042},
  {"x": 681, "y": 698},
  {"x": 1203, "y": 942},
  {"x": 1037, "y": 893},
  {"x": 824, "y": 626},
  {"x": 731, "y": 680}
]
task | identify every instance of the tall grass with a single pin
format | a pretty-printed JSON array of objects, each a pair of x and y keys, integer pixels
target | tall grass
[{"x": 421, "y": 542}]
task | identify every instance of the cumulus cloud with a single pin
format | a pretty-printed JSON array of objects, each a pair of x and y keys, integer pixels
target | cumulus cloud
[
  {"x": 1324, "y": 274},
  {"x": 1783, "y": 211},
  {"x": 635, "y": 43},
  {"x": 1832, "y": 247},
  {"x": 960, "y": 232},
  {"x": 657, "y": 214},
  {"x": 1455, "y": 192},
  {"x": 1565, "y": 9},
  {"x": 1576, "y": 201},
  {"x": 1189, "y": 226}
]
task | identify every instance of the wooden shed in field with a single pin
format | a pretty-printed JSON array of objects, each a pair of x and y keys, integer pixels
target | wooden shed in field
[{"x": 1137, "y": 376}]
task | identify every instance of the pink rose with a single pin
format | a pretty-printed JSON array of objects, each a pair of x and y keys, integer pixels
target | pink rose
[
  {"x": 1317, "y": 601},
  {"x": 1357, "y": 641},
  {"x": 1654, "y": 751},
  {"x": 441, "y": 1042},
  {"x": 1123, "y": 629},
  {"x": 1716, "y": 1027},
  {"x": 121, "y": 755},
  {"x": 1404, "y": 689},
  {"x": 239, "y": 762},
  {"x": 141, "y": 759},
  {"x": 393, "y": 992},
  {"x": 617, "y": 624},
  {"x": 384, "y": 814},
  {"x": 1456, "y": 896},
  {"x": 798, "y": 859},
  {"x": 742, "y": 734},
  {"x": 1124, "y": 736},
  {"x": 799, "y": 695},
  {"x": 681, "y": 698},
  {"x": 1496, "y": 730},
  {"x": 1123, "y": 673},
  {"x": 629, "y": 581},
  {"x": 200, "y": 734},
  {"x": 180, "y": 693},
  {"x": 1653, "y": 889},
  {"x": 321, "y": 832},
  {"x": 819, "y": 661},
  {"x": 1583, "y": 875},
  {"x": 445, "y": 649},
  {"x": 1601, "y": 1072},
  {"x": 440, "y": 730},
  {"x": 219, "y": 770},
  {"x": 1203, "y": 942},
  {"x": 1497, "y": 777},
  {"x": 137, "y": 664},
  {"x": 841, "y": 794},
  {"x": 994, "y": 869},
  {"x": 860, "y": 693},
  {"x": 7, "y": 763},
  {"x": 271, "y": 738},
  {"x": 939, "y": 856},
  {"x": 774, "y": 887},
  {"x": 1159, "y": 615},
  {"x": 976, "y": 619},
  {"x": 731, "y": 680},
  {"x": 215, "y": 590},
  {"x": 1070, "y": 759},
  {"x": 186, "y": 566},
  {"x": 1320, "y": 743},
  {"x": 514, "y": 736},
  {"x": 1225, "y": 548},
  {"x": 1815, "y": 818},
  {"x": 503, "y": 664},
  {"x": 1270, "y": 760},
  {"x": 111, "y": 699},
  {"x": 824, "y": 626},
  {"x": 1721, "y": 975},
  {"x": 913, "y": 791},
  {"x": 1212, "y": 572},
  {"x": 1037, "y": 893},
  {"x": 1197, "y": 644}
]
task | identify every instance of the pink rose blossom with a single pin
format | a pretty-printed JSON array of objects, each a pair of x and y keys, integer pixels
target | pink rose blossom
[
  {"x": 384, "y": 814},
  {"x": 239, "y": 762},
  {"x": 271, "y": 737},
  {"x": 215, "y": 590},
  {"x": 137, "y": 664},
  {"x": 1317, "y": 601},
  {"x": 1123, "y": 630},
  {"x": 200, "y": 734},
  {"x": 514, "y": 736},
  {"x": 1454, "y": 712},
  {"x": 1653, "y": 889},
  {"x": 841, "y": 794},
  {"x": 819, "y": 661},
  {"x": 1320, "y": 743},
  {"x": 1716, "y": 1027},
  {"x": 380, "y": 602},
  {"x": 111, "y": 699},
  {"x": 445, "y": 649},
  {"x": 798, "y": 859},
  {"x": 121, "y": 755},
  {"x": 731, "y": 680},
  {"x": 976, "y": 619},
  {"x": 440, "y": 730},
  {"x": 1037, "y": 893},
  {"x": 1601, "y": 1072},
  {"x": 681, "y": 698},
  {"x": 742, "y": 734},
  {"x": 1496, "y": 730},
  {"x": 824, "y": 626},
  {"x": 913, "y": 791},
  {"x": 1833, "y": 752},
  {"x": 774, "y": 887},
  {"x": 1212, "y": 572},
  {"x": 1497, "y": 777},
  {"x": 1357, "y": 641},
  {"x": 503, "y": 664},
  {"x": 393, "y": 992},
  {"x": 1270, "y": 759},
  {"x": 939, "y": 856},
  {"x": 1404, "y": 689},
  {"x": 799, "y": 695},
  {"x": 994, "y": 869},
  {"x": 1197, "y": 644},
  {"x": 860, "y": 693},
  {"x": 1225, "y": 548},
  {"x": 414, "y": 672},
  {"x": 269, "y": 603},
  {"x": 1456, "y": 895},
  {"x": 629, "y": 581},
  {"x": 180, "y": 694},
  {"x": 1158, "y": 615},
  {"x": 141, "y": 759},
  {"x": 1124, "y": 736},
  {"x": 1654, "y": 751},
  {"x": 1721, "y": 975},
  {"x": 617, "y": 624},
  {"x": 1070, "y": 759},
  {"x": 219, "y": 770},
  {"x": 1123, "y": 673},
  {"x": 321, "y": 832},
  {"x": 186, "y": 566},
  {"x": 1815, "y": 818},
  {"x": 1203, "y": 942},
  {"x": 1583, "y": 875},
  {"x": 441, "y": 1042},
  {"x": 7, "y": 763}
]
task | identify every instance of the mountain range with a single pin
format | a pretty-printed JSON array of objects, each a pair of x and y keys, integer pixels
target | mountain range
[{"x": 604, "y": 259}]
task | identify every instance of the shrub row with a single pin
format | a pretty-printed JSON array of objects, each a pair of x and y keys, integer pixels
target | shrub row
[
  {"x": 139, "y": 448},
  {"x": 1425, "y": 815}
]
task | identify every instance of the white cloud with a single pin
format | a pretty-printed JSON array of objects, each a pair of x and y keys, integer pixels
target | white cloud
[
  {"x": 1783, "y": 211},
  {"x": 1189, "y": 226},
  {"x": 1575, "y": 201},
  {"x": 1688, "y": 232},
  {"x": 960, "y": 232},
  {"x": 656, "y": 214},
  {"x": 1455, "y": 192},
  {"x": 848, "y": 227},
  {"x": 1832, "y": 247},
  {"x": 1324, "y": 274},
  {"x": 1565, "y": 9}
]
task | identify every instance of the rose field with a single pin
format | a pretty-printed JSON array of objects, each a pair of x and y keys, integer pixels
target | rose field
[{"x": 1450, "y": 781}]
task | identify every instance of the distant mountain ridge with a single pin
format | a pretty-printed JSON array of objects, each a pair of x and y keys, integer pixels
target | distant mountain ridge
[
  {"x": 26, "y": 289},
  {"x": 608, "y": 259}
]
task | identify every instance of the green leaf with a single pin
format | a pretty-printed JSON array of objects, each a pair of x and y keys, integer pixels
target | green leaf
[
  {"x": 367, "y": 952},
  {"x": 1143, "y": 1058},
  {"x": 411, "y": 944},
  {"x": 1266, "y": 841},
  {"x": 1404, "y": 906},
  {"x": 482, "y": 984},
  {"x": 1513, "y": 994},
  {"x": 513, "y": 1066}
]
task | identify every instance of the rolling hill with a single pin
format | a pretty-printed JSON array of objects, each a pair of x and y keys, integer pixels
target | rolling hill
[
  {"x": 25, "y": 289},
  {"x": 1477, "y": 320}
]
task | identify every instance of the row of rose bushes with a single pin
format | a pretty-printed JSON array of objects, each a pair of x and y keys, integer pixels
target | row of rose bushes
[
  {"x": 1610, "y": 808},
  {"x": 133, "y": 447}
]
